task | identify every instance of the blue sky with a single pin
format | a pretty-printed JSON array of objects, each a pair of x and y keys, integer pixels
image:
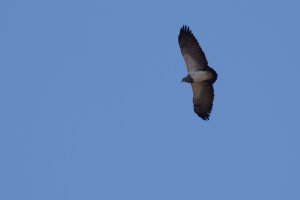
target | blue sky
[{"x": 92, "y": 106}]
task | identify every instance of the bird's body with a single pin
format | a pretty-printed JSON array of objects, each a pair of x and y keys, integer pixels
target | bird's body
[{"x": 200, "y": 75}]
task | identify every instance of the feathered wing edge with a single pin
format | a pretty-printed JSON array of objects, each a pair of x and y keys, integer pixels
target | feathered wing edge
[
  {"x": 191, "y": 50},
  {"x": 203, "y": 97}
]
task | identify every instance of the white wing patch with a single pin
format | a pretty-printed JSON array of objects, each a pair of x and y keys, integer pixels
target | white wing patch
[{"x": 191, "y": 63}]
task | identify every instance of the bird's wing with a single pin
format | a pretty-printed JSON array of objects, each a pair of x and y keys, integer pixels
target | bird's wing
[
  {"x": 203, "y": 97},
  {"x": 193, "y": 54}
]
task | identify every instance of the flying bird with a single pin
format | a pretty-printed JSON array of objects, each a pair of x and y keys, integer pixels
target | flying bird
[{"x": 200, "y": 75}]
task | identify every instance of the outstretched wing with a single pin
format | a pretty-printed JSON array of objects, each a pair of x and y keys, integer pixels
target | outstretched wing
[
  {"x": 192, "y": 52},
  {"x": 203, "y": 97}
]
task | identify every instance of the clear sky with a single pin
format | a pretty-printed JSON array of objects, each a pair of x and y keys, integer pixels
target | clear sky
[{"x": 92, "y": 105}]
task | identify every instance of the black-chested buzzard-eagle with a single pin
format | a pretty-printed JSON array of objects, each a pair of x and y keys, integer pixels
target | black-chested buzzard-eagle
[{"x": 200, "y": 75}]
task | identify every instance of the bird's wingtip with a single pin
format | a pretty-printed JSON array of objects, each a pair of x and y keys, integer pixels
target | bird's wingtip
[{"x": 185, "y": 28}]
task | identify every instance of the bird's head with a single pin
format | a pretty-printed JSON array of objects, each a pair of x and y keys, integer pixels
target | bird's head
[{"x": 187, "y": 79}]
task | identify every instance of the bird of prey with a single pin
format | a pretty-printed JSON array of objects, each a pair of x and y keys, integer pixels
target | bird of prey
[{"x": 200, "y": 75}]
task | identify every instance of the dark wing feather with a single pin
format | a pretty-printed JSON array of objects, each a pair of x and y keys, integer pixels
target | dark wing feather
[
  {"x": 203, "y": 99},
  {"x": 192, "y": 52}
]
